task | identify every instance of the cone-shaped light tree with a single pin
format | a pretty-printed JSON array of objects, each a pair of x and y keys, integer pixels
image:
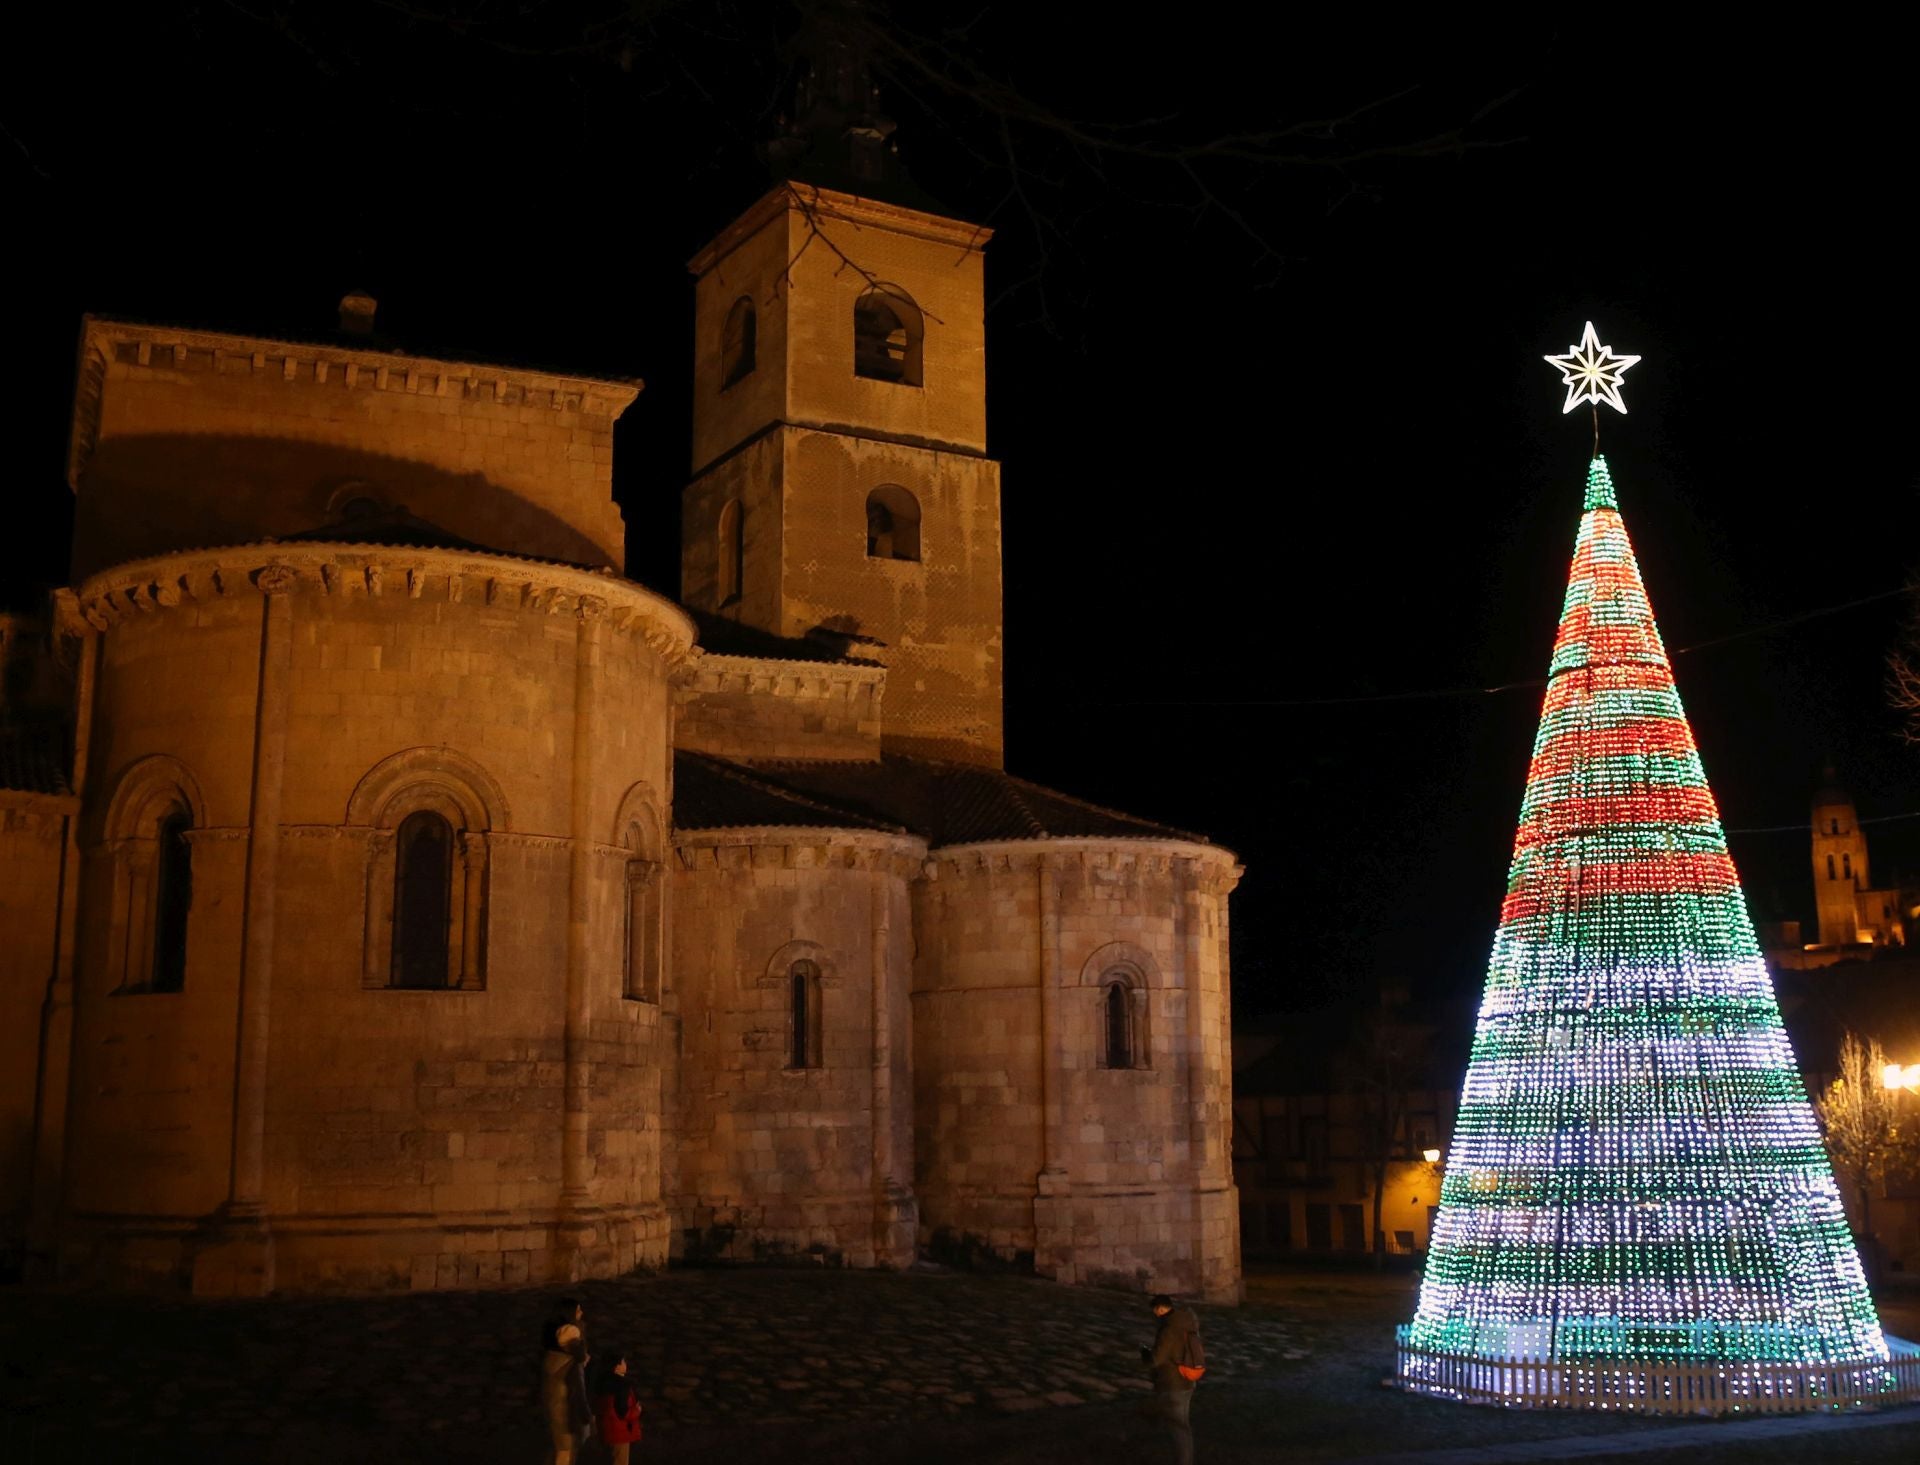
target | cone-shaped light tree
[{"x": 1635, "y": 1173}]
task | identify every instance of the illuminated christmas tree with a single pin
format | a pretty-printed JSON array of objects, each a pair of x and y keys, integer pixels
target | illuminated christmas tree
[{"x": 1637, "y": 1188}]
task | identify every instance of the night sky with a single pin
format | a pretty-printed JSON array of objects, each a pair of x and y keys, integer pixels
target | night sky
[{"x": 1293, "y": 444}]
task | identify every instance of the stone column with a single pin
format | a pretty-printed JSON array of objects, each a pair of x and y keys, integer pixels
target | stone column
[
  {"x": 1192, "y": 978},
  {"x": 894, "y": 1217},
  {"x": 1053, "y": 1244},
  {"x": 236, "y": 1257},
  {"x": 1053, "y": 1168},
  {"x": 586, "y": 706},
  {"x": 56, "y": 1013},
  {"x": 1216, "y": 1220}
]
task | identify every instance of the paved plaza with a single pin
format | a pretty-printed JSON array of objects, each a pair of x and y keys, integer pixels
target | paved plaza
[{"x": 742, "y": 1366}]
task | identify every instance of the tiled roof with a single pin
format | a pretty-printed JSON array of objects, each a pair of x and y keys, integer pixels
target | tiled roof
[
  {"x": 710, "y": 793},
  {"x": 33, "y": 758},
  {"x": 726, "y": 637},
  {"x": 944, "y": 803}
]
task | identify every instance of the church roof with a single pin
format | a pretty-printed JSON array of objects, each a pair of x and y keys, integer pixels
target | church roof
[
  {"x": 726, "y": 637},
  {"x": 711, "y": 793},
  {"x": 33, "y": 757},
  {"x": 943, "y": 803}
]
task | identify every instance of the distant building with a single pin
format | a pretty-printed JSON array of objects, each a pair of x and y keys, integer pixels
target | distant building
[
  {"x": 1859, "y": 976},
  {"x": 1328, "y": 1103},
  {"x": 1855, "y": 918}
]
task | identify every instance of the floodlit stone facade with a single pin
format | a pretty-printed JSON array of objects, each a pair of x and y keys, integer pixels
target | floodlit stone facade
[{"x": 397, "y": 897}]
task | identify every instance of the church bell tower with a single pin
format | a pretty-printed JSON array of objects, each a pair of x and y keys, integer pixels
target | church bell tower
[
  {"x": 841, "y": 489},
  {"x": 1839, "y": 862}
]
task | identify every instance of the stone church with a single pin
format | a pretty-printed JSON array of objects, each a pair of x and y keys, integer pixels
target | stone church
[{"x": 396, "y": 896}]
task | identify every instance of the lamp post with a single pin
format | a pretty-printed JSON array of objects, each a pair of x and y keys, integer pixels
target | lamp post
[{"x": 1901, "y": 1076}]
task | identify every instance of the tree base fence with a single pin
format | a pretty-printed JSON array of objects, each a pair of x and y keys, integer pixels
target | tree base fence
[{"x": 1652, "y": 1386}]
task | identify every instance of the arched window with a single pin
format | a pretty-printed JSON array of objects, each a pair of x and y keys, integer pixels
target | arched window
[
  {"x": 1118, "y": 1010},
  {"x": 426, "y": 814},
  {"x": 1846, "y": 866},
  {"x": 803, "y": 1015},
  {"x": 733, "y": 551},
  {"x": 643, "y": 951},
  {"x": 741, "y": 343},
  {"x": 893, "y": 524},
  {"x": 146, "y": 852},
  {"x": 422, "y": 899},
  {"x": 172, "y": 902},
  {"x": 887, "y": 329},
  {"x": 1830, "y": 874},
  {"x": 1118, "y": 980}
]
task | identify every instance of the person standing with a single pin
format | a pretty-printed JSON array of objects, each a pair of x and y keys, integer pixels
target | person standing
[
  {"x": 563, "y": 1381},
  {"x": 616, "y": 1408},
  {"x": 1177, "y": 1360}
]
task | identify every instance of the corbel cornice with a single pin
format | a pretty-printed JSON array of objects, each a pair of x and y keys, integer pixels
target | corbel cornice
[
  {"x": 533, "y": 587},
  {"x": 713, "y": 673}
]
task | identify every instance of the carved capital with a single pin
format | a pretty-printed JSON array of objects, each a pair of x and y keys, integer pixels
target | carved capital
[
  {"x": 276, "y": 579},
  {"x": 591, "y": 607}
]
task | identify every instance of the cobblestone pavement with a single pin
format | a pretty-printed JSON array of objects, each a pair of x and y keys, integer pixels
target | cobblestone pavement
[
  {"x": 748, "y": 1366},
  {"x": 452, "y": 1373}
]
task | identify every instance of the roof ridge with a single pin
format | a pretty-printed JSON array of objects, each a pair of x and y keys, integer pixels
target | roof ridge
[
  {"x": 1014, "y": 793},
  {"x": 739, "y": 774},
  {"x": 1111, "y": 813}
]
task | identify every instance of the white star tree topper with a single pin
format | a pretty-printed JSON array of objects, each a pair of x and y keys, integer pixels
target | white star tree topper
[{"x": 1592, "y": 372}]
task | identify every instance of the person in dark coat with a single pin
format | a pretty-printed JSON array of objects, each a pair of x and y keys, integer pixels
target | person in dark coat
[
  {"x": 616, "y": 1407},
  {"x": 563, "y": 1382},
  {"x": 1177, "y": 1360}
]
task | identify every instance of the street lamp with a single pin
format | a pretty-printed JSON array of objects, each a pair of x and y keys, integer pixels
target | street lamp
[
  {"x": 1901, "y": 1076},
  {"x": 1432, "y": 1157}
]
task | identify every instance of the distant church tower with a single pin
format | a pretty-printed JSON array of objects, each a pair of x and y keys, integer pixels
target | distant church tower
[
  {"x": 841, "y": 487},
  {"x": 1839, "y": 862}
]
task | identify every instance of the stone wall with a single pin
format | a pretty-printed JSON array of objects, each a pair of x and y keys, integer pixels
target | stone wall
[
  {"x": 744, "y": 707},
  {"x": 186, "y": 438},
  {"x": 751, "y": 478},
  {"x": 507, "y": 1129},
  {"x": 32, "y": 843},
  {"x": 789, "y": 254},
  {"x": 1028, "y": 1144},
  {"x": 774, "y": 1159},
  {"x": 803, "y": 440},
  {"x": 939, "y": 616}
]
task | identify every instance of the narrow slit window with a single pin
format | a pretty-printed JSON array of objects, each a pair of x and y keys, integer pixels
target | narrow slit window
[
  {"x": 803, "y": 998},
  {"x": 422, "y": 900},
  {"x": 645, "y": 920},
  {"x": 1119, "y": 1024},
  {"x": 173, "y": 901}
]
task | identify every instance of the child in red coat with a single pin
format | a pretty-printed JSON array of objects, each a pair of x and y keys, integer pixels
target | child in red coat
[{"x": 616, "y": 1408}]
